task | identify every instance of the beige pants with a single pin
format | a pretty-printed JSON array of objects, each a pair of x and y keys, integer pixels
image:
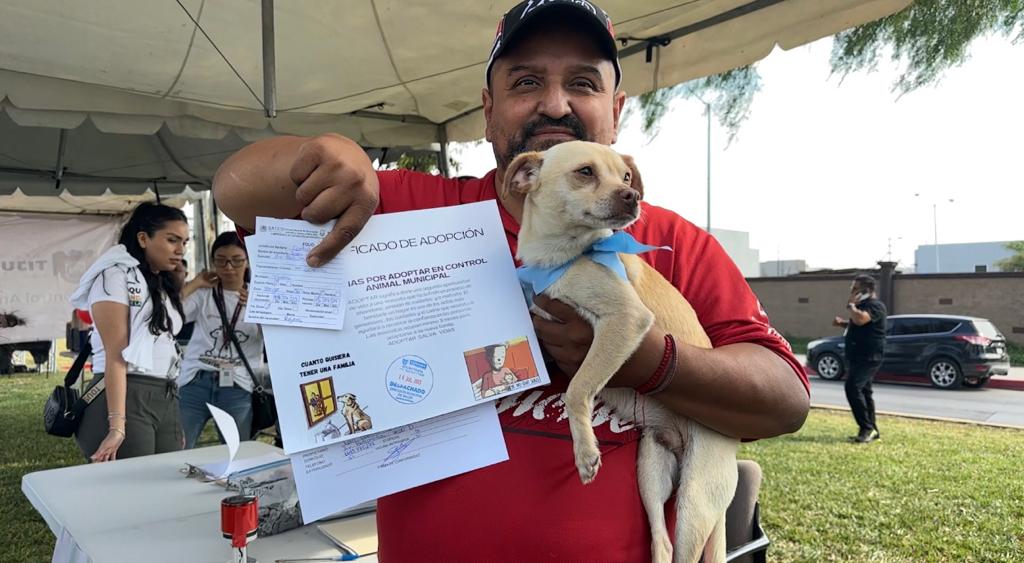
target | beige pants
[{"x": 152, "y": 423}]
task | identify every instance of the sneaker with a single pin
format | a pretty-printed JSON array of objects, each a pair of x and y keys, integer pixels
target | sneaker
[{"x": 867, "y": 435}]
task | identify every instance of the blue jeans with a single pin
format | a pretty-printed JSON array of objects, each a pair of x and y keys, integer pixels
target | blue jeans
[{"x": 205, "y": 388}]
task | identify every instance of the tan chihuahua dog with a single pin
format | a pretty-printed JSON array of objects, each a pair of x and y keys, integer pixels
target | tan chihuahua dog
[{"x": 575, "y": 194}]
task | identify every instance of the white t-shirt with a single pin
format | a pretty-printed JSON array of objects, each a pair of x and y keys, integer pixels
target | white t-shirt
[
  {"x": 208, "y": 340},
  {"x": 129, "y": 288}
]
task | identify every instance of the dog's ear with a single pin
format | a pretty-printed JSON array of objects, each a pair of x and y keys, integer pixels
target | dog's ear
[
  {"x": 635, "y": 181},
  {"x": 522, "y": 175}
]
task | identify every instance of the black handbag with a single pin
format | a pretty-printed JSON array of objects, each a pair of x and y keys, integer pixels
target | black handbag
[
  {"x": 264, "y": 411},
  {"x": 63, "y": 410}
]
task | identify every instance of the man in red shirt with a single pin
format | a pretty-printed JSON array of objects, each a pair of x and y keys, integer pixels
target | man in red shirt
[{"x": 553, "y": 76}]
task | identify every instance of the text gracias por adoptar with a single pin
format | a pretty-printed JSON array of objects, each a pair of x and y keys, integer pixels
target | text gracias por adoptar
[{"x": 415, "y": 275}]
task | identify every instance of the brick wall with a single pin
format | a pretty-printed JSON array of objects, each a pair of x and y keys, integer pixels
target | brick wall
[{"x": 804, "y": 305}]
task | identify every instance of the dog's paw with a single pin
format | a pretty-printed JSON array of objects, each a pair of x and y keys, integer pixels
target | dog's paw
[{"x": 588, "y": 461}]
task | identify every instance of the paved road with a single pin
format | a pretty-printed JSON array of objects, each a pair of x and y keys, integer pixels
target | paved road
[{"x": 995, "y": 406}]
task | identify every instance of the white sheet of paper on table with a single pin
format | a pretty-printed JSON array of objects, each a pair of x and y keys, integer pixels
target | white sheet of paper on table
[
  {"x": 283, "y": 289},
  {"x": 338, "y": 476},
  {"x": 226, "y": 424},
  {"x": 427, "y": 292}
]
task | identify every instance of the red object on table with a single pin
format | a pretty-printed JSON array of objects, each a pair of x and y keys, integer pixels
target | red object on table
[{"x": 239, "y": 519}]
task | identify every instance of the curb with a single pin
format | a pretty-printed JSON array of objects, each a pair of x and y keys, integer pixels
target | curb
[
  {"x": 1011, "y": 384},
  {"x": 924, "y": 417},
  {"x": 996, "y": 382}
]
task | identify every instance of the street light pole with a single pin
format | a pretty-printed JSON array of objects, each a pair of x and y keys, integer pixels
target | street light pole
[{"x": 935, "y": 229}]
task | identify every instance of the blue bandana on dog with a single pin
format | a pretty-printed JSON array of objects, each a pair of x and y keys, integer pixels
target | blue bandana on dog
[{"x": 606, "y": 251}]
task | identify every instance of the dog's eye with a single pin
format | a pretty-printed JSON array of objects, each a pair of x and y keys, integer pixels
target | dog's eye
[
  {"x": 586, "y": 171},
  {"x": 627, "y": 178}
]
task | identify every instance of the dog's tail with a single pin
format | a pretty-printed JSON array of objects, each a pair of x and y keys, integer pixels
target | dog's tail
[{"x": 707, "y": 483}]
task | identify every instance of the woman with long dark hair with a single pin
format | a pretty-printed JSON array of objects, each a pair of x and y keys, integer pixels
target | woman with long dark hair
[
  {"x": 212, "y": 371},
  {"x": 134, "y": 300}
]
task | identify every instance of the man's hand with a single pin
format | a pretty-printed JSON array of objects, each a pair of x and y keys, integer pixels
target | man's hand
[
  {"x": 567, "y": 339},
  {"x": 317, "y": 178},
  {"x": 335, "y": 179},
  {"x": 839, "y": 322}
]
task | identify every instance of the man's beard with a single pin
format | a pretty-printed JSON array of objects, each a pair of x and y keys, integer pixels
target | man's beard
[{"x": 523, "y": 142}]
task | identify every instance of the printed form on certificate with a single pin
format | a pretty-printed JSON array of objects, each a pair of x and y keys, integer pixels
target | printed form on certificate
[{"x": 284, "y": 290}]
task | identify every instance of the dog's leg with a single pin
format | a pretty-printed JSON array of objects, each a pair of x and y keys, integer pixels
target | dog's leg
[
  {"x": 656, "y": 471},
  {"x": 707, "y": 483},
  {"x": 615, "y": 340}
]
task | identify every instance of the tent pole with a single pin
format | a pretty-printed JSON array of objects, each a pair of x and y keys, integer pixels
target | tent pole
[
  {"x": 269, "y": 69},
  {"x": 58, "y": 172},
  {"x": 199, "y": 218},
  {"x": 442, "y": 154}
]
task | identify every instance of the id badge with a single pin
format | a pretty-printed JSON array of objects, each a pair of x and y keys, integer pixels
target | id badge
[{"x": 227, "y": 377}]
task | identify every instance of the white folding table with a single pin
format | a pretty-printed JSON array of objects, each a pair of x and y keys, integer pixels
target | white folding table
[{"x": 145, "y": 509}]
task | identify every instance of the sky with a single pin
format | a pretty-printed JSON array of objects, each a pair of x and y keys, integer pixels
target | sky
[{"x": 827, "y": 171}]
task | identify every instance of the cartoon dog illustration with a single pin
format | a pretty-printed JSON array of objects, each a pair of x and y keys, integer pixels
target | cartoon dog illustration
[{"x": 356, "y": 419}]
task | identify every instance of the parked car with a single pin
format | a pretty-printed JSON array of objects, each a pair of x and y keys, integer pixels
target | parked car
[{"x": 949, "y": 350}]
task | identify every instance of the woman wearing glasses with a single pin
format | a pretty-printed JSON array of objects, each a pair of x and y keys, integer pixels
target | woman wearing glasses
[{"x": 212, "y": 370}]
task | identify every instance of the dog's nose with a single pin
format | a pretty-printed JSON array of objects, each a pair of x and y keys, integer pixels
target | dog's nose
[{"x": 629, "y": 195}]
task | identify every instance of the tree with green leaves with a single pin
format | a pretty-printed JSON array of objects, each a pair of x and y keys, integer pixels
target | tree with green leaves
[
  {"x": 1014, "y": 263},
  {"x": 925, "y": 39}
]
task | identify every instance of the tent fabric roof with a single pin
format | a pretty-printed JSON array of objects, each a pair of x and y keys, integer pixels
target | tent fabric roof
[
  {"x": 383, "y": 72},
  {"x": 106, "y": 203},
  {"x": 95, "y": 163}
]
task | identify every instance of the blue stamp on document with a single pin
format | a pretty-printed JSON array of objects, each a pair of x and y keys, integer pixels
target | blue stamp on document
[{"x": 409, "y": 379}]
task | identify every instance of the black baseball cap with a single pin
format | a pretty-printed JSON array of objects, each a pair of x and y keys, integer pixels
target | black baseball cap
[{"x": 588, "y": 15}]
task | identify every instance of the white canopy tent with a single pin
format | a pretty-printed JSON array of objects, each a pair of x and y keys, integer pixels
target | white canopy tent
[
  {"x": 383, "y": 72},
  {"x": 106, "y": 102}
]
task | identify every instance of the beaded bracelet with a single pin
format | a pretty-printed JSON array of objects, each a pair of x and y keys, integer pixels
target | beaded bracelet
[
  {"x": 661, "y": 377},
  {"x": 670, "y": 371}
]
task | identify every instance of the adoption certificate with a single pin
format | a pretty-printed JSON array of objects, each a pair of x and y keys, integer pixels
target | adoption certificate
[
  {"x": 435, "y": 321},
  {"x": 332, "y": 478}
]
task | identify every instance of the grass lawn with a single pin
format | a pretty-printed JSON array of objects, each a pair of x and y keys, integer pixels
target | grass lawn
[
  {"x": 798, "y": 343},
  {"x": 929, "y": 491},
  {"x": 1016, "y": 352}
]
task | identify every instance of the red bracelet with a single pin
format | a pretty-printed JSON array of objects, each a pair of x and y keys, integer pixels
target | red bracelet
[{"x": 661, "y": 377}]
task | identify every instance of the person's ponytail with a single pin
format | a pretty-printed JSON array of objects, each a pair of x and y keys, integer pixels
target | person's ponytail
[{"x": 150, "y": 218}]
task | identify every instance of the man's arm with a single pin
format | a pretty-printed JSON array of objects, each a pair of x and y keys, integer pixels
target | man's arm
[
  {"x": 857, "y": 316},
  {"x": 319, "y": 178},
  {"x": 713, "y": 387}
]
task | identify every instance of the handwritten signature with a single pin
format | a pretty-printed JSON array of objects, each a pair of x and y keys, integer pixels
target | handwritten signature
[{"x": 397, "y": 450}]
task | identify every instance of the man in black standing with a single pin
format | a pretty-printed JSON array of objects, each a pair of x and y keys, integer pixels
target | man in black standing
[{"x": 865, "y": 347}]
